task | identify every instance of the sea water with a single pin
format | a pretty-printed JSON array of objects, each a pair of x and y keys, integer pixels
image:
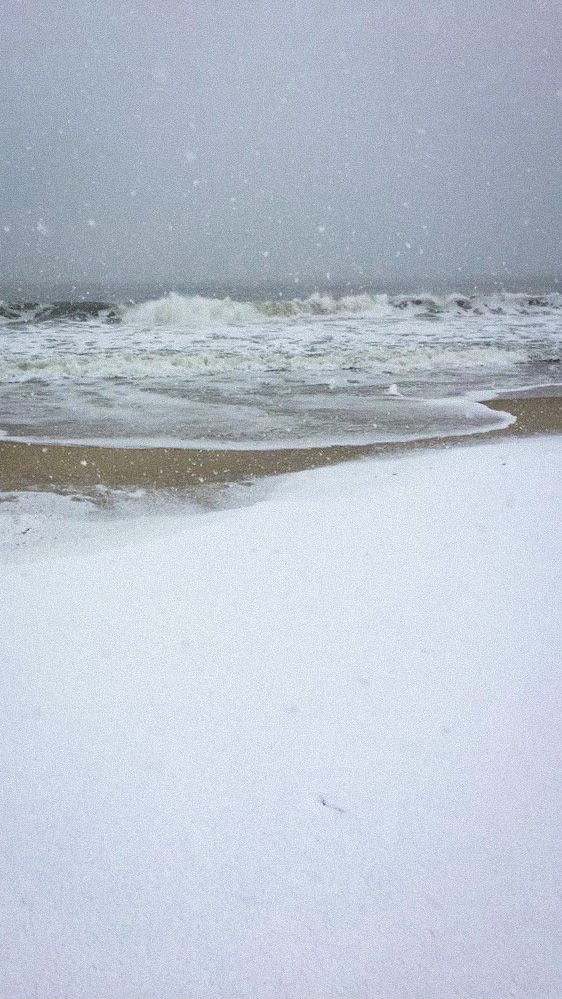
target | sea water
[{"x": 220, "y": 372}]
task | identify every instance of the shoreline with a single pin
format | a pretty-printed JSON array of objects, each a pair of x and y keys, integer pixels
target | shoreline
[{"x": 25, "y": 466}]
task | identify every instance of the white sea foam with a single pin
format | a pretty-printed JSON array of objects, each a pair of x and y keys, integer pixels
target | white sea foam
[
  {"x": 154, "y": 365},
  {"x": 177, "y": 310}
]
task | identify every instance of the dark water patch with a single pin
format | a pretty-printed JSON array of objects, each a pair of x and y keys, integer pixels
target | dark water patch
[{"x": 36, "y": 312}]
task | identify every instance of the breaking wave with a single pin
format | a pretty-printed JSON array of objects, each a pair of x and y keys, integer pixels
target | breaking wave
[
  {"x": 187, "y": 310},
  {"x": 167, "y": 364}
]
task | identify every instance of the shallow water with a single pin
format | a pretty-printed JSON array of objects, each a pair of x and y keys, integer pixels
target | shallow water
[{"x": 58, "y": 495}]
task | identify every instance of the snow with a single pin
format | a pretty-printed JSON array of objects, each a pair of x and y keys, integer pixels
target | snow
[{"x": 309, "y": 747}]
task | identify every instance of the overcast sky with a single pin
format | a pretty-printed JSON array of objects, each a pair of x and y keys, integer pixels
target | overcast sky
[{"x": 291, "y": 141}]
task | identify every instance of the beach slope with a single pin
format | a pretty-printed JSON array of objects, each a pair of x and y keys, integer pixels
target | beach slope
[{"x": 310, "y": 747}]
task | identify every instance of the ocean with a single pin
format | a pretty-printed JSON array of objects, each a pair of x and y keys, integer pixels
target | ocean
[{"x": 194, "y": 371}]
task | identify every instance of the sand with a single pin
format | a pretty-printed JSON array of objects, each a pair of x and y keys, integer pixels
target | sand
[{"x": 61, "y": 467}]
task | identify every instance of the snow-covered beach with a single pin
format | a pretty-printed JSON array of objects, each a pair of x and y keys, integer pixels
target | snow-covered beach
[
  {"x": 307, "y": 747},
  {"x": 280, "y": 496}
]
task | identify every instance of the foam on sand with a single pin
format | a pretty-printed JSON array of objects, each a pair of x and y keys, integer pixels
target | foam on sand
[
  {"x": 25, "y": 465},
  {"x": 310, "y": 747}
]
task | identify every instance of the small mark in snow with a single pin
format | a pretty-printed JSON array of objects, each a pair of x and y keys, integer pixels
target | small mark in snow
[{"x": 328, "y": 804}]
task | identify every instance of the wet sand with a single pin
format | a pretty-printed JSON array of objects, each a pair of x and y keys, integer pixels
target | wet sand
[{"x": 62, "y": 467}]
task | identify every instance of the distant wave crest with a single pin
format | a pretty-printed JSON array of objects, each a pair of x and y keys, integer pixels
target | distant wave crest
[{"x": 197, "y": 310}]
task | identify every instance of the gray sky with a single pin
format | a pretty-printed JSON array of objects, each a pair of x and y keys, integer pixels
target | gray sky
[{"x": 243, "y": 142}]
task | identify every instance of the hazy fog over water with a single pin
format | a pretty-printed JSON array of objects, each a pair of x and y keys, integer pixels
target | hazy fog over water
[{"x": 308, "y": 144}]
